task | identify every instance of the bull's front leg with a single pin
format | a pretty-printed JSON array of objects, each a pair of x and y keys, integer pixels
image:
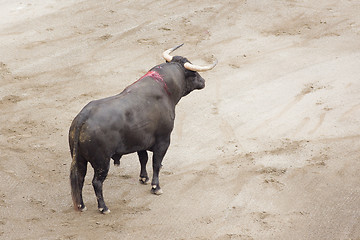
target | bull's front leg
[{"x": 159, "y": 152}]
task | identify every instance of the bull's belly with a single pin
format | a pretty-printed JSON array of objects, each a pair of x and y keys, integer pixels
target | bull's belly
[
  {"x": 108, "y": 138},
  {"x": 134, "y": 143},
  {"x": 104, "y": 143}
]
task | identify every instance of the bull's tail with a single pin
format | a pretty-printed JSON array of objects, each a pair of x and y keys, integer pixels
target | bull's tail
[
  {"x": 74, "y": 174},
  {"x": 75, "y": 188}
]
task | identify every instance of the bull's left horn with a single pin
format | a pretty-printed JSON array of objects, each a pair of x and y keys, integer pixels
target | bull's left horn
[
  {"x": 166, "y": 54},
  {"x": 197, "y": 68}
]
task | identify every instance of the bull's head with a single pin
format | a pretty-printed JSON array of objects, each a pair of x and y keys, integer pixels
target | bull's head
[{"x": 192, "y": 77}]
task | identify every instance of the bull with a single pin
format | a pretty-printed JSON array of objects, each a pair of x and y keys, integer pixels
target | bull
[{"x": 139, "y": 119}]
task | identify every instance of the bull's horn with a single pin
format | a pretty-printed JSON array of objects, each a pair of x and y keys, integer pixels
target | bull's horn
[
  {"x": 197, "y": 68},
  {"x": 189, "y": 66},
  {"x": 166, "y": 54}
]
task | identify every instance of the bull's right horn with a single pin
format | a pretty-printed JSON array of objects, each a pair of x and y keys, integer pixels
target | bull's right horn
[
  {"x": 166, "y": 54},
  {"x": 197, "y": 68}
]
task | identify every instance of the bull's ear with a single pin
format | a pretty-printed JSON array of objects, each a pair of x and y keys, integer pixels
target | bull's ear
[{"x": 189, "y": 73}]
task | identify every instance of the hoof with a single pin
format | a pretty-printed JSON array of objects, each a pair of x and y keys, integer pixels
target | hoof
[
  {"x": 82, "y": 208},
  {"x": 156, "y": 191},
  {"x": 104, "y": 211},
  {"x": 144, "y": 180}
]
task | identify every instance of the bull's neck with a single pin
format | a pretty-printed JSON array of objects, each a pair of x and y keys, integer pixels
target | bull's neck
[
  {"x": 173, "y": 78},
  {"x": 158, "y": 78}
]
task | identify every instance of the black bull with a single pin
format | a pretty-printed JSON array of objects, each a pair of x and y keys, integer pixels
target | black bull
[{"x": 139, "y": 119}]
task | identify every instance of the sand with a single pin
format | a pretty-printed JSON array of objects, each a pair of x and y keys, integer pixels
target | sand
[{"x": 268, "y": 150}]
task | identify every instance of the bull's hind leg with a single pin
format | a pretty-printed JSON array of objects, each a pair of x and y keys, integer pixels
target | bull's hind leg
[
  {"x": 160, "y": 149},
  {"x": 143, "y": 158},
  {"x": 100, "y": 172},
  {"x": 82, "y": 167}
]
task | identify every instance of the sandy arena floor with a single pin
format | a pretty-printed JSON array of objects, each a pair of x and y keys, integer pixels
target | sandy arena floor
[{"x": 270, "y": 149}]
